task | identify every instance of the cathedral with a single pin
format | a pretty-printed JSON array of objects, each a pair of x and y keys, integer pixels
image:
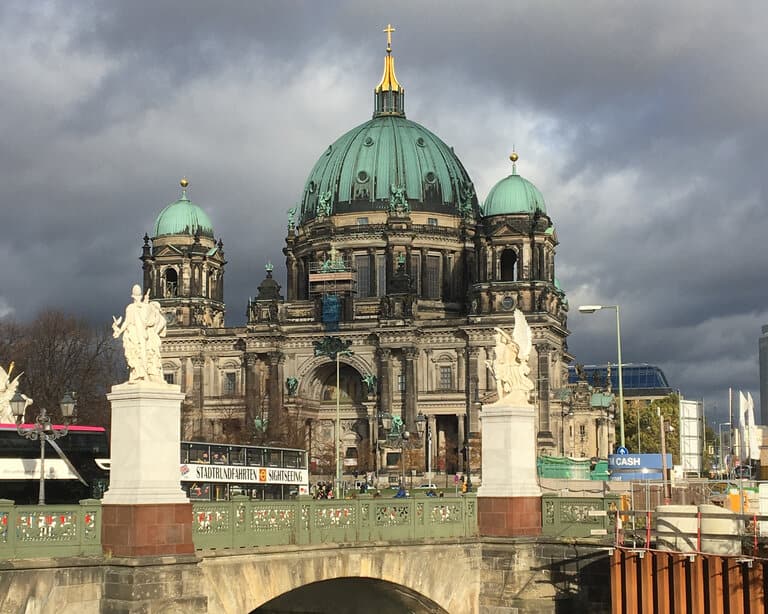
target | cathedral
[{"x": 393, "y": 260}]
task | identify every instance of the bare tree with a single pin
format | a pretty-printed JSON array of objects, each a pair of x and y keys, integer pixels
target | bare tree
[{"x": 60, "y": 353}]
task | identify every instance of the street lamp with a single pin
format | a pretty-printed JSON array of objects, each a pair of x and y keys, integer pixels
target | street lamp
[
  {"x": 333, "y": 348},
  {"x": 422, "y": 426},
  {"x": 723, "y": 466},
  {"x": 666, "y": 484},
  {"x": 42, "y": 429},
  {"x": 593, "y": 309}
]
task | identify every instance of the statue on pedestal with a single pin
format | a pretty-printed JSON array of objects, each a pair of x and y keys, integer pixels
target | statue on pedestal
[
  {"x": 510, "y": 364},
  {"x": 8, "y": 388},
  {"x": 142, "y": 329}
]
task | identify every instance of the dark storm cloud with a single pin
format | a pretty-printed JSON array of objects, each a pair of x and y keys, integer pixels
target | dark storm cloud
[{"x": 642, "y": 123}]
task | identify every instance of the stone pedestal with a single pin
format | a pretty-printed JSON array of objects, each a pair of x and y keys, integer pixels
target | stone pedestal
[
  {"x": 145, "y": 511},
  {"x": 509, "y": 501}
]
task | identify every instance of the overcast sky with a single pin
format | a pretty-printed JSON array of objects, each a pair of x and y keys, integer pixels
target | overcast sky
[{"x": 643, "y": 124}]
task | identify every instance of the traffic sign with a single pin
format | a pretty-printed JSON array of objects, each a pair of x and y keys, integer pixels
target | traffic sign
[{"x": 622, "y": 450}]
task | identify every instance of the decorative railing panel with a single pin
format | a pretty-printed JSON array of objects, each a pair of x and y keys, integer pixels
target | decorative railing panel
[
  {"x": 33, "y": 531},
  {"x": 308, "y": 521},
  {"x": 578, "y": 516}
]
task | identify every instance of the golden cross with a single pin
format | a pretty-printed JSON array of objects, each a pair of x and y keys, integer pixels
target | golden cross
[{"x": 389, "y": 29}]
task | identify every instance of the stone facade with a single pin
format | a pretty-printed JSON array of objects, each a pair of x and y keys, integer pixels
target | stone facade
[{"x": 473, "y": 576}]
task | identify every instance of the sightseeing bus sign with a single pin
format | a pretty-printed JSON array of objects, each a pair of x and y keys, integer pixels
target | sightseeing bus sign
[{"x": 191, "y": 472}]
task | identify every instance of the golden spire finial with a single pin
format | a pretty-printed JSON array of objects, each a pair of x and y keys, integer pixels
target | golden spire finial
[
  {"x": 184, "y": 182},
  {"x": 389, "y": 29},
  {"x": 388, "y": 81},
  {"x": 514, "y": 157}
]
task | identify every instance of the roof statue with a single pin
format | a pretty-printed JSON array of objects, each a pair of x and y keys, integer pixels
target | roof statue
[
  {"x": 8, "y": 388},
  {"x": 142, "y": 328},
  {"x": 510, "y": 364}
]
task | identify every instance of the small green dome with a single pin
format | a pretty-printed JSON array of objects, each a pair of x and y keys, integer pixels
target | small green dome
[
  {"x": 512, "y": 195},
  {"x": 183, "y": 217}
]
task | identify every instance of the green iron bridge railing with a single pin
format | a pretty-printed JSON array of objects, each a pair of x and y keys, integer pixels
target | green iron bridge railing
[
  {"x": 243, "y": 523},
  {"x": 33, "y": 531}
]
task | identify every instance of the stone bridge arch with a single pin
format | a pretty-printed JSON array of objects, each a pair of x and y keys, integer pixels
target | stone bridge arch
[{"x": 440, "y": 574}]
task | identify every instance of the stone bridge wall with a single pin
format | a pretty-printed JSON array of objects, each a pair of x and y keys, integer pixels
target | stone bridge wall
[{"x": 472, "y": 576}]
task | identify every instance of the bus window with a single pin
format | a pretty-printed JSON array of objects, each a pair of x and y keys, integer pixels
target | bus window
[
  {"x": 256, "y": 457},
  {"x": 238, "y": 489},
  {"x": 219, "y": 455},
  {"x": 198, "y": 453},
  {"x": 292, "y": 459},
  {"x": 199, "y": 492},
  {"x": 273, "y": 458},
  {"x": 221, "y": 492},
  {"x": 237, "y": 456}
]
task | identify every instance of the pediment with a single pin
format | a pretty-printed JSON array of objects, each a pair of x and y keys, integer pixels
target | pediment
[{"x": 168, "y": 250}]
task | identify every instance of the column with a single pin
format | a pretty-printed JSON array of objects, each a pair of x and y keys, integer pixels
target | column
[
  {"x": 429, "y": 371},
  {"x": 460, "y": 371},
  {"x": 424, "y": 283},
  {"x": 411, "y": 387},
  {"x": 445, "y": 276},
  {"x": 198, "y": 390},
  {"x": 252, "y": 390},
  {"x": 276, "y": 362},
  {"x": 385, "y": 380},
  {"x": 473, "y": 391},
  {"x": 372, "y": 272},
  {"x": 461, "y": 437},
  {"x": 293, "y": 278},
  {"x": 545, "y": 430}
]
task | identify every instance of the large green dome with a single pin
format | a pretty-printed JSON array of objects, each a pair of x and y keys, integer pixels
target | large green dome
[
  {"x": 183, "y": 217},
  {"x": 360, "y": 170},
  {"x": 386, "y": 163},
  {"x": 512, "y": 195}
]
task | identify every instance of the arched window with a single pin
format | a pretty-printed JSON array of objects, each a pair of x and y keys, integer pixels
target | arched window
[
  {"x": 171, "y": 282},
  {"x": 508, "y": 265}
]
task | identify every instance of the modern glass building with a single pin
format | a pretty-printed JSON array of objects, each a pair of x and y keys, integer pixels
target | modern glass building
[{"x": 640, "y": 380}]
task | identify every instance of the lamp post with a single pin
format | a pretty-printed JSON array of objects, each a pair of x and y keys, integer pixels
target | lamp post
[
  {"x": 723, "y": 466},
  {"x": 422, "y": 426},
  {"x": 42, "y": 429},
  {"x": 334, "y": 348},
  {"x": 593, "y": 309},
  {"x": 666, "y": 485}
]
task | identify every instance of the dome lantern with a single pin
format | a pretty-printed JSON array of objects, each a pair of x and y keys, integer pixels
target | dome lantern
[{"x": 389, "y": 95}]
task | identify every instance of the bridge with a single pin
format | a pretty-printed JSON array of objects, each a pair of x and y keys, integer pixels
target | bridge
[{"x": 421, "y": 554}]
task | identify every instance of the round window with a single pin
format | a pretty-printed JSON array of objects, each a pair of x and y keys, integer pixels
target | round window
[
  {"x": 507, "y": 303},
  {"x": 311, "y": 186},
  {"x": 362, "y": 176},
  {"x": 368, "y": 141},
  {"x": 420, "y": 142},
  {"x": 430, "y": 177}
]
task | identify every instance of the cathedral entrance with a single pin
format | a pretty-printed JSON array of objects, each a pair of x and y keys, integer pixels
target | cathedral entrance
[{"x": 352, "y": 416}]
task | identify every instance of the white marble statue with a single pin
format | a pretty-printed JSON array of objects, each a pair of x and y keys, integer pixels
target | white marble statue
[
  {"x": 142, "y": 328},
  {"x": 510, "y": 364},
  {"x": 8, "y": 388}
]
